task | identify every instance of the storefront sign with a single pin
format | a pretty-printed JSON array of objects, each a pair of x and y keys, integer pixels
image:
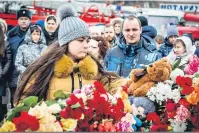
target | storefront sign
[{"x": 182, "y": 7}]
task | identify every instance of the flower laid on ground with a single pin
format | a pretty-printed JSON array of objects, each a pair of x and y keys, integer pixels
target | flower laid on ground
[
  {"x": 162, "y": 92},
  {"x": 193, "y": 66},
  {"x": 8, "y": 127},
  {"x": 88, "y": 109}
]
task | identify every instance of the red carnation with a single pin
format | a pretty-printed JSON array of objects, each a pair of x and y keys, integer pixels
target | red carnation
[
  {"x": 153, "y": 117},
  {"x": 171, "y": 107},
  {"x": 186, "y": 84},
  {"x": 195, "y": 120},
  {"x": 171, "y": 114},
  {"x": 184, "y": 102},
  {"x": 26, "y": 121},
  {"x": 68, "y": 112},
  {"x": 159, "y": 128},
  {"x": 99, "y": 87}
]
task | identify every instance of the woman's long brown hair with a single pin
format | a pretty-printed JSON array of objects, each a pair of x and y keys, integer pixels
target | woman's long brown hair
[
  {"x": 2, "y": 42},
  {"x": 43, "y": 69}
]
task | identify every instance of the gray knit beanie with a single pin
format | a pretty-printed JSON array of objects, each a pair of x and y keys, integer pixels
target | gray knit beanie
[
  {"x": 172, "y": 31},
  {"x": 71, "y": 26}
]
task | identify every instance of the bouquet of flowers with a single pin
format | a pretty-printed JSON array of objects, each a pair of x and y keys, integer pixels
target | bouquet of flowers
[
  {"x": 90, "y": 108},
  {"x": 178, "y": 108}
]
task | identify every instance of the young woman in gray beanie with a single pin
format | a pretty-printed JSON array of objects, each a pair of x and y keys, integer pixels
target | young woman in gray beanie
[{"x": 66, "y": 65}]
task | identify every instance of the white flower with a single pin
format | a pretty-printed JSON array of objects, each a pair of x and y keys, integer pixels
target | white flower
[
  {"x": 50, "y": 127},
  {"x": 48, "y": 118},
  {"x": 175, "y": 95},
  {"x": 196, "y": 81},
  {"x": 175, "y": 73},
  {"x": 54, "y": 108},
  {"x": 179, "y": 127},
  {"x": 159, "y": 93},
  {"x": 129, "y": 118},
  {"x": 39, "y": 110},
  {"x": 62, "y": 102},
  {"x": 81, "y": 95}
]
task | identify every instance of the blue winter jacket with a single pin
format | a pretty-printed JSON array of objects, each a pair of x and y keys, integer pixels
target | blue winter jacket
[
  {"x": 123, "y": 58},
  {"x": 15, "y": 38},
  {"x": 165, "y": 48}
]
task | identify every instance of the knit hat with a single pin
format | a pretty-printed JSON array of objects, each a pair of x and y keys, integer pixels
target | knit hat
[
  {"x": 24, "y": 13},
  {"x": 3, "y": 22},
  {"x": 172, "y": 31},
  {"x": 71, "y": 26},
  {"x": 143, "y": 20}
]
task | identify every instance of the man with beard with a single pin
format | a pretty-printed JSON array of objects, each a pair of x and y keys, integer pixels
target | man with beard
[
  {"x": 15, "y": 38},
  {"x": 109, "y": 35},
  {"x": 167, "y": 46},
  {"x": 131, "y": 50}
]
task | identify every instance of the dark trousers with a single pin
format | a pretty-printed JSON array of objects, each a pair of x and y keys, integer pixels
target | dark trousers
[
  {"x": 12, "y": 91},
  {"x": 3, "y": 110}
]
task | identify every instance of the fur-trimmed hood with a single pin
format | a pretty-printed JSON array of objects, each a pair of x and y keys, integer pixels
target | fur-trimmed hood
[{"x": 87, "y": 67}]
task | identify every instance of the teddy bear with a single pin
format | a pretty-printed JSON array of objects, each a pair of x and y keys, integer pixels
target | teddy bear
[{"x": 141, "y": 80}]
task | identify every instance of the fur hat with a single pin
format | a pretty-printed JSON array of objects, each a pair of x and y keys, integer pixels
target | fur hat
[
  {"x": 24, "y": 13},
  {"x": 71, "y": 26}
]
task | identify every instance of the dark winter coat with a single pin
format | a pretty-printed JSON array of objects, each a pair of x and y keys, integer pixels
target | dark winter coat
[
  {"x": 165, "y": 48},
  {"x": 51, "y": 38},
  {"x": 197, "y": 52},
  {"x": 5, "y": 63},
  {"x": 15, "y": 38}
]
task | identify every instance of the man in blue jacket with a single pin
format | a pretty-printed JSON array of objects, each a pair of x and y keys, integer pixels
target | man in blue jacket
[
  {"x": 15, "y": 37},
  {"x": 132, "y": 50}
]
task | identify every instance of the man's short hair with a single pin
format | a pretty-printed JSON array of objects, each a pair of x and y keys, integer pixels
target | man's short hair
[
  {"x": 108, "y": 26},
  {"x": 132, "y": 17}
]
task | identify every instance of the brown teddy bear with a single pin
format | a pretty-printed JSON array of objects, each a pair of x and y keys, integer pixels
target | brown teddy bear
[{"x": 141, "y": 80}]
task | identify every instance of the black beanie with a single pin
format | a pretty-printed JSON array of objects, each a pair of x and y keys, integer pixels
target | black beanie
[
  {"x": 143, "y": 20},
  {"x": 24, "y": 13}
]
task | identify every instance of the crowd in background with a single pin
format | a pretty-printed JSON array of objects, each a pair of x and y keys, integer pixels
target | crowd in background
[{"x": 120, "y": 46}]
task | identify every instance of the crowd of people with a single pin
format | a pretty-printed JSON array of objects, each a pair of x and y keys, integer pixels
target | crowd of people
[{"x": 41, "y": 58}]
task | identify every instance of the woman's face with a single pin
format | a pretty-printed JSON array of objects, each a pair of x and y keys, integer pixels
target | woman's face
[
  {"x": 93, "y": 48},
  {"x": 51, "y": 26},
  {"x": 179, "y": 49},
  {"x": 78, "y": 49}
]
